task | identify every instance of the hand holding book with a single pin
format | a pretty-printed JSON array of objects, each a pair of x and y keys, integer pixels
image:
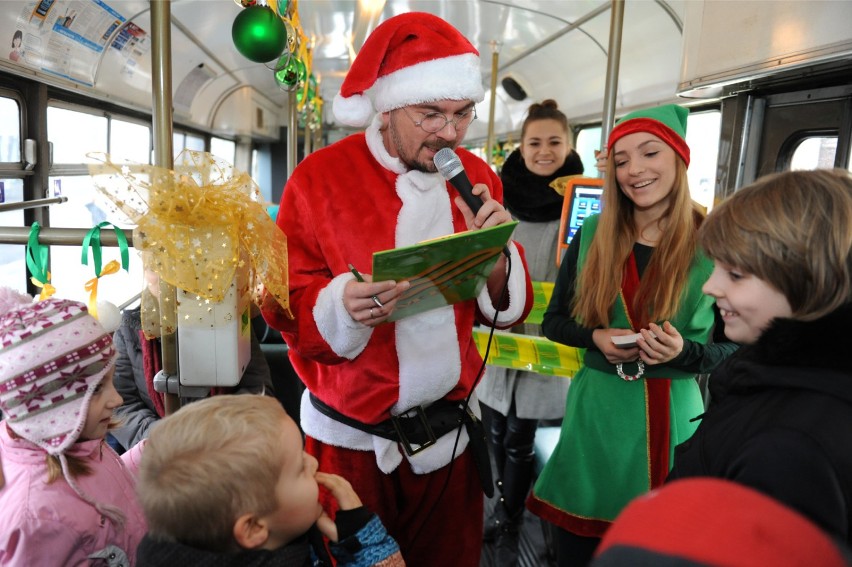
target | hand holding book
[{"x": 442, "y": 271}]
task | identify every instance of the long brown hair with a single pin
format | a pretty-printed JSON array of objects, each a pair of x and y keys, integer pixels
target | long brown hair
[{"x": 660, "y": 289}]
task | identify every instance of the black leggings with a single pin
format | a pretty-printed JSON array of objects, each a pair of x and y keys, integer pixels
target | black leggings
[{"x": 573, "y": 550}]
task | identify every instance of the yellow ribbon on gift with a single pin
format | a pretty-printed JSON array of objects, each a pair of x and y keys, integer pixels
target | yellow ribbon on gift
[
  {"x": 91, "y": 286},
  {"x": 198, "y": 223}
]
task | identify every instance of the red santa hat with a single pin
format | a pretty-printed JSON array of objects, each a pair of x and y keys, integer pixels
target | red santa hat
[{"x": 409, "y": 59}]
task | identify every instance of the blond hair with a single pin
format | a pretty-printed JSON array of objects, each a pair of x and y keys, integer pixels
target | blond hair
[
  {"x": 209, "y": 463},
  {"x": 792, "y": 230},
  {"x": 663, "y": 281}
]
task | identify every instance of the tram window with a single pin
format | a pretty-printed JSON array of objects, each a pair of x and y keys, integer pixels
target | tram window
[
  {"x": 223, "y": 149},
  {"x": 10, "y": 131},
  {"x": 702, "y": 137},
  {"x": 74, "y": 134},
  {"x": 85, "y": 208},
  {"x": 13, "y": 269},
  {"x": 129, "y": 141},
  {"x": 814, "y": 153},
  {"x": 183, "y": 141},
  {"x": 588, "y": 142}
]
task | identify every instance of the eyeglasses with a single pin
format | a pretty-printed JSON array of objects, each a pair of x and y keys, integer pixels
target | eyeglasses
[{"x": 433, "y": 122}]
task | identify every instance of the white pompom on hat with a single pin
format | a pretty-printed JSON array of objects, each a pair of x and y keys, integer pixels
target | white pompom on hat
[{"x": 412, "y": 58}]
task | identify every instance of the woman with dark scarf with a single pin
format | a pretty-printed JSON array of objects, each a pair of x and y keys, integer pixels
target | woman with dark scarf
[{"x": 519, "y": 399}]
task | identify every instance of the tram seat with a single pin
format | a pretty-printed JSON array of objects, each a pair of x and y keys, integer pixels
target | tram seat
[
  {"x": 288, "y": 386},
  {"x": 546, "y": 438}
]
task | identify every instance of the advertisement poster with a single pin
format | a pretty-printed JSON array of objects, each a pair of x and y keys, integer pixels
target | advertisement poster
[{"x": 67, "y": 38}]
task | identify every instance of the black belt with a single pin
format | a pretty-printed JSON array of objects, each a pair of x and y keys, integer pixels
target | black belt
[
  {"x": 419, "y": 428},
  {"x": 416, "y": 429}
]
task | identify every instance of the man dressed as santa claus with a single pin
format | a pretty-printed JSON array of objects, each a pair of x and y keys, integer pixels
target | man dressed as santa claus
[{"x": 385, "y": 401}]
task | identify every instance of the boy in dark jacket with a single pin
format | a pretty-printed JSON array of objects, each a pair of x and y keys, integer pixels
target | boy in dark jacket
[
  {"x": 780, "y": 417},
  {"x": 225, "y": 482}
]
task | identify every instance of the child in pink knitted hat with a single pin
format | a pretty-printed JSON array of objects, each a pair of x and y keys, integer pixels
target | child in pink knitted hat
[{"x": 68, "y": 498}]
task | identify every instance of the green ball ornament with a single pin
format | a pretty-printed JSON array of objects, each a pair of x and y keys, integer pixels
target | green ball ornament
[
  {"x": 290, "y": 71},
  {"x": 259, "y": 34}
]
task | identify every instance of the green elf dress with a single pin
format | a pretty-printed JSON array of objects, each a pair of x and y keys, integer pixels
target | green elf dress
[{"x": 618, "y": 436}]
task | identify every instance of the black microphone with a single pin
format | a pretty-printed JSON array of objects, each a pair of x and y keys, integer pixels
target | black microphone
[{"x": 451, "y": 168}]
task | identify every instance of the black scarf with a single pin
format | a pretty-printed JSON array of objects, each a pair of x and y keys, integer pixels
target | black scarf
[{"x": 528, "y": 196}]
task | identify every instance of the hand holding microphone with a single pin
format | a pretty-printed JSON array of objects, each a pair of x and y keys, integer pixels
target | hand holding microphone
[{"x": 450, "y": 166}]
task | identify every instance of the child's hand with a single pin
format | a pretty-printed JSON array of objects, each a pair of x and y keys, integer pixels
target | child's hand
[
  {"x": 346, "y": 497},
  {"x": 340, "y": 488},
  {"x": 660, "y": 349}
]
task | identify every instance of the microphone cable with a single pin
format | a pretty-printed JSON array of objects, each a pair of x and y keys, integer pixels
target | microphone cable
[{"x": 466, "y": 406}]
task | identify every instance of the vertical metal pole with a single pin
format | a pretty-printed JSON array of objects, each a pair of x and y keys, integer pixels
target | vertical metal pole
[
  {"x": 489, "y": 147},
  {"x": 161, "y": 85},
  {"x": 613, "y": 59},
  {"x": 292, "y": 133},
  {"x": 306, "y": 143}
]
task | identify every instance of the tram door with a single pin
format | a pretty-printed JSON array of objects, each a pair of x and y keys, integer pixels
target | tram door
[{"x": 805, "y": 130}]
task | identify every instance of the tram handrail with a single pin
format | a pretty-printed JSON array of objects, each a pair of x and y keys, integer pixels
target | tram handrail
[
  {"x": 35, "y": 203},
  {"x": 57, "y": 236}
]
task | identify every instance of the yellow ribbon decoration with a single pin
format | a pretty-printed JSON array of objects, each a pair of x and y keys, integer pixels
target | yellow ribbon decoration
[
  {"x": 91, "y": 286},
  {"x": 47, "y": 288},
  {"x": 533, "y": 354}
]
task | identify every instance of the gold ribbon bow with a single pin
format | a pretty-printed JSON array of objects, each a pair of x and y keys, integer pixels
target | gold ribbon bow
[{"x": 91, "y": 286}]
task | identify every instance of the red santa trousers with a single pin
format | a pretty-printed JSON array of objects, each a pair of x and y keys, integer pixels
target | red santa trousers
[{"x": 434, "y": 521}]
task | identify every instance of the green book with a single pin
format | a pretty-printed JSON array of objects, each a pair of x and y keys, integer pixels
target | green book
[{"x": 444, "y": 270}]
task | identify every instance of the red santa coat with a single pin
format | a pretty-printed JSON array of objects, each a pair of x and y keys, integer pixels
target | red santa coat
[{"x": 341, "y": 204}]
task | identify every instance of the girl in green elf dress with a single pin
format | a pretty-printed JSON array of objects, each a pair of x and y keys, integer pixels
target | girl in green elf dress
[{"x": 635, "y": 268}]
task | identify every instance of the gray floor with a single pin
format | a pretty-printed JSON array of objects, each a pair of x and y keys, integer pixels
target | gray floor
[{"x": 533, "y": 550}]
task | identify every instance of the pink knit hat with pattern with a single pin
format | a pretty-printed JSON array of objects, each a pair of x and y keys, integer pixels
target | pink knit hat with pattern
[{"x": 53, "y": 355}]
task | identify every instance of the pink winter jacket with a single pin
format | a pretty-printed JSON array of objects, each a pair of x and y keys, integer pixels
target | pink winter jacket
[{"x": 48, "y": 524}]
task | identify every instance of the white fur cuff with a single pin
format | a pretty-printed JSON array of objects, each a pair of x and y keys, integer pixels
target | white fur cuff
[{"x": 346, "y": 337}]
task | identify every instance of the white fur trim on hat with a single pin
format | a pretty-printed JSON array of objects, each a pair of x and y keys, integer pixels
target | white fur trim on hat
[
  {"x": 452, "y": 78},
  {"x": 355, "y": 110}
]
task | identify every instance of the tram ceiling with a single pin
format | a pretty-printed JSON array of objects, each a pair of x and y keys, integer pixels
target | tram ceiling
[{"x": 553, "y": 48}]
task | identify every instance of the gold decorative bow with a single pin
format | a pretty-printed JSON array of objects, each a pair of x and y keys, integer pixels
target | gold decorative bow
[{"x": 196, "y": 224}]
